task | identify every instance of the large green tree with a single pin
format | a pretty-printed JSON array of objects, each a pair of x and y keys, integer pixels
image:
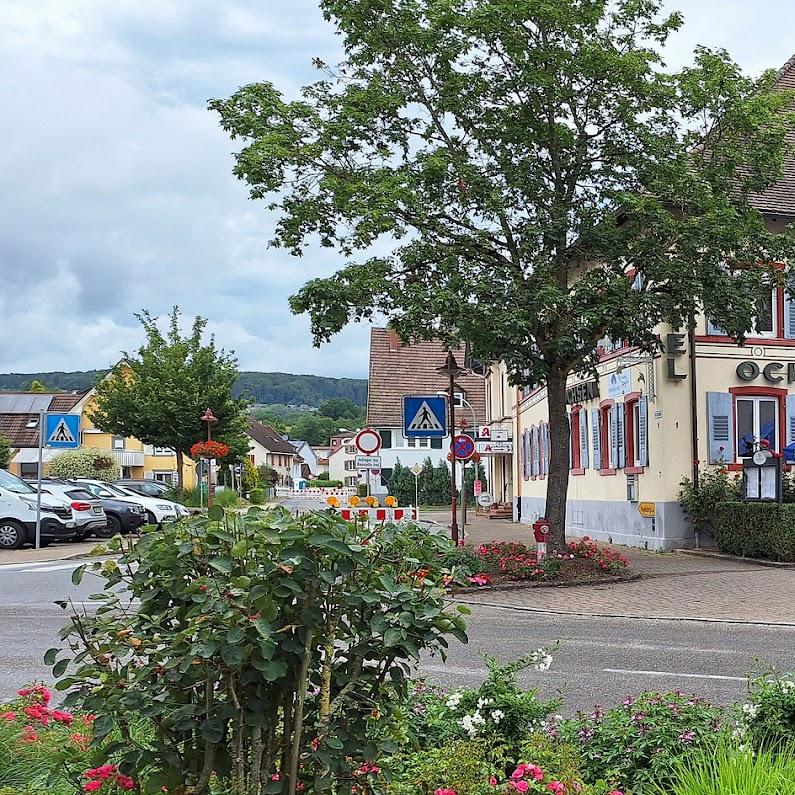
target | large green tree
[
  {"x": 159, "y": 393},
  {"x": 494, "y": 170}
]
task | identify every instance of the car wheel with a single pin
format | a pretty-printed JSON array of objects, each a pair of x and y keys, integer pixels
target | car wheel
[
  {"x": 111, "y": 529},
  {"x": 150, "y": 518},
  {"x": 12, "y": 534},
  {"x": 44, "y": 542}
]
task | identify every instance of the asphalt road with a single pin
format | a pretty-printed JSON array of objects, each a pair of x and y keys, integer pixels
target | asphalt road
[{"x": 599, "y": 660}]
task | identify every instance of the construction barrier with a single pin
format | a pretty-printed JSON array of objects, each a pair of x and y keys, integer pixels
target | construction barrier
[
  {"x": 342, "y": 493},
  {"x": 380, "y": 514}
]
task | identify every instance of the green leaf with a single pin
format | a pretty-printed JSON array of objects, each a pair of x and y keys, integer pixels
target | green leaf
[
  {"x": 464, "y": 610},
  {"x": 233, "y": 655},
  {"x": 103, "y": 726},
  {"x": 50, "y": 656},
  {"x": 223, "y": 565},
  {"x": 239, "y": 548},
  {"x": 60, "y": 667},
  {"x": 263, "y": 627},
  {"x": 216, "y": 513},
  {"x": 77, "y": 574},
  {"x": 393, "y": 636},
  {"x": 235, "y": 635}
]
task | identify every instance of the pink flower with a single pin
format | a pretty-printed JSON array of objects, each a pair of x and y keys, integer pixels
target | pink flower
[
  {"x": 59, "y": 716},
  {"x": 615, "y": 792},
  {"x": 125, "y": 782},
  {"x": 443, "y": 791},
  {"x": 9, "y": 716},
  {"x": 276, "y": 777},
  {"x": 557, "y": 787},
  {"x": 492, "y": 782},
  {"x": 479, "y": 579},
  {"x": 29, "y": 735},
  {"x": 92, "y": 786},
  {"x": 521, "y": 785}
]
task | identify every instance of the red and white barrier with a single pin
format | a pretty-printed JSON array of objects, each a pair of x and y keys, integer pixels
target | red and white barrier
[{"x": 379, "y": 514}]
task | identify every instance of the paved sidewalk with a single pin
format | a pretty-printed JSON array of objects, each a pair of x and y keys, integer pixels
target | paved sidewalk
[
  {"x": 56, "y": 551},
  {"x": 673, "y": 586}
]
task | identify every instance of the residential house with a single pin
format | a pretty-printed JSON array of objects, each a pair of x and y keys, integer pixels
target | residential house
[
  {"x": 307, "y": 454},
  {"x": 342, "y": 460},
  {"x": 321, "y": 453},
  {"x": 397, "y": 370},
  {"x": 19, "y": 423},
  {"x": 268, "y": 446}
]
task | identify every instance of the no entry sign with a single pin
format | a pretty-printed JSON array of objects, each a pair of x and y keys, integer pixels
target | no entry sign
[{"x": 368, "y": 441}]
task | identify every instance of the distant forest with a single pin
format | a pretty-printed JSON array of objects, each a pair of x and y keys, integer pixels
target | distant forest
[{"x": 284, "y": 388}]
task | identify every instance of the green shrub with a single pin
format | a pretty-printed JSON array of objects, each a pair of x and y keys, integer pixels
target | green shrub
[
  {"x": 362, "y": 489},
  {"x": 715, "y": 486},
  {"x": 257, "y": 632},
  {"x": 325, "y": 484},
  {"x": 257, "y": 496},
  {"x": 84, "y": 462},
  {"x": 732, "y": 771},
  {"x": 634, "y": 746},
  {"x": 768, "y": 719},
  {"x": 756, "y": 530},
  {"x": 226, "y": 498}
]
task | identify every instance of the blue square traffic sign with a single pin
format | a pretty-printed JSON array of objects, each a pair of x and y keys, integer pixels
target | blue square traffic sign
[
  {"x": 62, "y": 431},
  {"x": 424, "y": 416}
]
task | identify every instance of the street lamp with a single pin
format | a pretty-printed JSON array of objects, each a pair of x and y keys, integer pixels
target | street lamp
[
  {"x": 209, "y": 418},
  {"x": 452, "y": 370}
]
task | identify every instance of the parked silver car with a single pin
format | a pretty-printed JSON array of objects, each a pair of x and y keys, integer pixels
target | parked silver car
[{"x": 87, "y": 512}]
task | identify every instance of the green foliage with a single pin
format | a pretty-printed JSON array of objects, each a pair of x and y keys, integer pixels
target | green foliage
[
  {"x": 401, "y": 484},
  {"x": 268, "y": 476},
  {"x": 260, "y": 639},
  {"x": 159, "y": 393},
  {"x": 755, "y": 530},
  {"x": 84, "y": 462},
  {"x": 226, "y": 498},
  {"x": 5, "y": 452},
  {"x": 457, "y": 137},
  {"x": 325, "y": 484},
  {"x": 314, "y": 429},
  {"x": 733, "y": 770},
  {"x": 474, "y": 472},
  {"x": 715, "y": 486},
  {"x": 37, "y": 386},
  {"x": 288, "y": 389},
  {"x": 342, "y": 409},
  {"x": 768, "y": 719},
  {"x": 257, "y": 496},
  {"x": 635, "y": 745},
  {"x": 252, "y": 476}
]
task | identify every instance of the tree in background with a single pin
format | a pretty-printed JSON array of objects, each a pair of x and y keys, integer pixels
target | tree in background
[
  {"x": 158, "y": 394},
  {"x": 252, "y": 476},
  {"x": 5, "y": 452},
  {"x": 471, "y": 474},
  {"x": 342, "y": 409},
  {"x": 516, "y": 162},
  {"x": 401, "y": 484},
  {"x": 37, "y": 386},
  {"x": 84, "y": 462},
  {"x": 268, "y": 476}
]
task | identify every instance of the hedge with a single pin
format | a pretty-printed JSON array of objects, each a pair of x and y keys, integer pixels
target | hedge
[
  {"x": 756, "y": 530},
  {"x": 324, "y": 484}
]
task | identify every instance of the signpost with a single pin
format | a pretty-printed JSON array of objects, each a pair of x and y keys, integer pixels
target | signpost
[
  {"x": 477, "y": 487},
  {"x": 424, "y": 416},
  {"x": 484, "y": 499},
  {"x": 463, "y": 447},
  {"x": 647, "y": 509},
  {"x": 368, "y": 441},
  {"x": 416, "y": 470},
  {"x": 494, "y": 448},
  {"x": 371, "y": 462}
]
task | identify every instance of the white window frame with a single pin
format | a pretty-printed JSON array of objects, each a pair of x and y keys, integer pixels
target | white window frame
[
  {"x": 635, "y": 433},
  {"x": 774, "y": 319},
  {"x": 413, "y": 441},
  {"x": 757, "y": 400},
  {"x": 118, "y": 443}
]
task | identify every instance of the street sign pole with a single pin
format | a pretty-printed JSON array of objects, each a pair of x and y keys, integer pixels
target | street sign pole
[
  {"x": 453, "y": 484},
  {"x": 38, "y": 480}
]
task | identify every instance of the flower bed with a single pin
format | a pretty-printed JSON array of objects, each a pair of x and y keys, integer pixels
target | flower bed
[{"x": 503, "y": 562}]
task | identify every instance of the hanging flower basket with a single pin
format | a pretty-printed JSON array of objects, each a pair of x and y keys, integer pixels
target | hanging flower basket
[{"x": 209, "y": 449}]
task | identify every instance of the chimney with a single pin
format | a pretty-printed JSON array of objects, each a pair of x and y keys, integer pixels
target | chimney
[{"x": 394, "y": 340}]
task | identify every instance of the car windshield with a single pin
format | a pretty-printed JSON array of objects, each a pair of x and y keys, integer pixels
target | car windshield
[
  {"x": 123, "y": 491},
  {"x": 80, "y": 494},
  {"x": 13, "y": 483},
  {"x": 105, "y": 490}
]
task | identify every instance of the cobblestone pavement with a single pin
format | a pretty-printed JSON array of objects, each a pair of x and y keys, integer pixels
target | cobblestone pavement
[{"x": 672, "y": 586}]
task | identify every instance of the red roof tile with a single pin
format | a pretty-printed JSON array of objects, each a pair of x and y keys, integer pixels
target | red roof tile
[{"x": 398, "y": 370}]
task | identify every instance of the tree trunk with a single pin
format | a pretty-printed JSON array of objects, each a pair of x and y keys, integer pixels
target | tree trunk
[
  {"x": 180, "y": 473},
  {"x": 558, "y": 475}
]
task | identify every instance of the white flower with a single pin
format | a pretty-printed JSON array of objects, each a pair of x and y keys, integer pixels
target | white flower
[
  {"x": 751, "y": 710},
  {"x": 497, "y": 715},
  {"x": 543, "y": 663},
  {"x": 453, "y": 701},
  {"x": 787, "y": 685},
  {"x": 470, "y": 723},
  {"x": 484, "y": 702}
]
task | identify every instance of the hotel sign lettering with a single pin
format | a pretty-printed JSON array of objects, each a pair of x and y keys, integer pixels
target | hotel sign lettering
[
  {"x": 772, "y": 372},
  {"x": 588, "y": 390}
]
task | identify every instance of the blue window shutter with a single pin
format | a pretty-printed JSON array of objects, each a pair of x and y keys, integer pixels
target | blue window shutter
[
  {"x": 597, "y": 453},
  {"x": 584, "y": 438},
  {"x": 713, "y": 329},
  {"x": 720, "y": 427},
  {"x": 621, "y": 440},
  {"x": 789, "y": 315},
  {"x": 613, "y": 436},
  {"x": 643, "y": 432},
  {"x": 790, "y": 419}
]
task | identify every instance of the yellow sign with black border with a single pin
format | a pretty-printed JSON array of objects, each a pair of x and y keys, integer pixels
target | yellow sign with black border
[{"x": 647, "y": 509}]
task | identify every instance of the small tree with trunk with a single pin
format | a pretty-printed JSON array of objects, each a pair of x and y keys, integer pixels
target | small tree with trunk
[
  {"x": 159, "y": 393},
  {"x": 505, "y": 168}
]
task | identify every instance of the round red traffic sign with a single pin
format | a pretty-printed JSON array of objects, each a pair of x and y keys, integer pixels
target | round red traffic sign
[
  {"x": 463, "y": 447},
  {"x": 368, "y": 441}
]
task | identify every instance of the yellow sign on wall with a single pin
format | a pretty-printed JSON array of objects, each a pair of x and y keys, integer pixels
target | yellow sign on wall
[{"x": 647, "y": 509}]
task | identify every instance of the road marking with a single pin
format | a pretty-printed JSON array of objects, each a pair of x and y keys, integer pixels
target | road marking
[
  {"x": 62, "y": 567},
  {"x": 674, "y": 673},
  {"x": 32, "y": 564}
]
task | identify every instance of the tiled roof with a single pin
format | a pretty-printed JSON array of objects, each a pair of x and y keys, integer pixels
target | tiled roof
[
  {"x": 398, "y": 370},
  {"x": 269, "y": 438},
  {"x": 779, "y": 199},
  {"x": 14, "y": 425}
]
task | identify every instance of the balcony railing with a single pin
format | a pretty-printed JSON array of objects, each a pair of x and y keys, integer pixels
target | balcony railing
[{"x": 127, "y": 458}]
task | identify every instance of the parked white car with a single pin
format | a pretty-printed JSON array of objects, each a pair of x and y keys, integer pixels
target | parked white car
[{"x": 157, "y": 509}]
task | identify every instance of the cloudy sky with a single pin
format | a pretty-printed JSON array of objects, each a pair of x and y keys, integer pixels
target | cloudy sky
[{"x": 117, "y": 191}]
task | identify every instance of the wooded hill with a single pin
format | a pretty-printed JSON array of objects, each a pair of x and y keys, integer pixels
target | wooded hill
[{"x": 284, "y": 388}]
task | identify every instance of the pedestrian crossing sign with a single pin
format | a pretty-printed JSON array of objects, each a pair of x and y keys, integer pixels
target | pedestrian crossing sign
[
  {"x": 62, "y": 431},
  {"x": 424, "y": 416}
]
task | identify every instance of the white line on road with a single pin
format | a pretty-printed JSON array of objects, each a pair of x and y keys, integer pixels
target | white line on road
[
  {"x": 62, "y": 567},
  {"x": 674, "y": 674}
]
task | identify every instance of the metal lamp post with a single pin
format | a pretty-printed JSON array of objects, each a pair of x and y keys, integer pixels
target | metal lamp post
[
  {"x": 452, "y": 370},
  {"x": 209, "y": 418},
  {"x": 442, "y": 393}
]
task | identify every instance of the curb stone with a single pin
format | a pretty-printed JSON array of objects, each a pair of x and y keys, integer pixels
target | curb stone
[
  {"x": 526, "y": 584},
  {"x": 706, "y": 553}
]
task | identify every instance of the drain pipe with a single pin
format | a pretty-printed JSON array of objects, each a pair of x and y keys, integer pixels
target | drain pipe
[{"x": 691, "y": 342}]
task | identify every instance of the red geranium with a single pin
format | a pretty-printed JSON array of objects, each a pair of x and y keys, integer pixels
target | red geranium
[{"x": 210, "y": 449}]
